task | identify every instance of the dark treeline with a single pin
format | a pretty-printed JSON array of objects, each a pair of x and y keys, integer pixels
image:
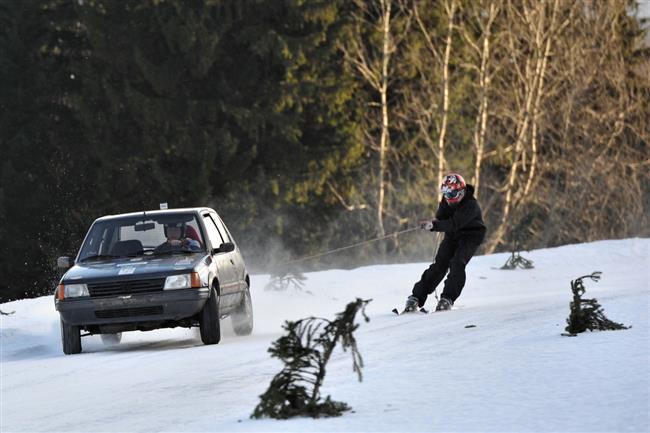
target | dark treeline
[{"x": 311, "y": 125}]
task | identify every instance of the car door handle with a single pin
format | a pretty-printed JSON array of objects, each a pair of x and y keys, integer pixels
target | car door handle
[{"x": 232, "y": 261}]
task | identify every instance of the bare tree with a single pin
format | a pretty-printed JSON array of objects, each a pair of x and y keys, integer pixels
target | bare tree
[
  {"x": 431, "y": 110},
  {"x": 478, "y": 33},
  {"x": 572, "y": 92},
  {"x": 530, "y": 41},
  {"x": 370, "y": 51},
  {"x": 603, "y": 129},
  {"x": 548, "y": 97}
]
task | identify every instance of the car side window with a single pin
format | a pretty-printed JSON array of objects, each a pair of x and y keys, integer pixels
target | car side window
[
  {"x": 108, "y": 239},
  {"x": 213, "y": 233},
  {"x": 221, "y": 227},
  {"x": 228, "y": 232},
  {"x": 96, "y": 240}
]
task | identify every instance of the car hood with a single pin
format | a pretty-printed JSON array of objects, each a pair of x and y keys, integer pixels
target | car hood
[{"x": 133, "y": 268}]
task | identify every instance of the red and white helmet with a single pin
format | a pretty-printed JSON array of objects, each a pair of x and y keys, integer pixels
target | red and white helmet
[{"x": 453, "y": 188}]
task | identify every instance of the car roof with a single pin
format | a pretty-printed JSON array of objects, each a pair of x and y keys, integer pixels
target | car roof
[{"x": 198, "y": 210}]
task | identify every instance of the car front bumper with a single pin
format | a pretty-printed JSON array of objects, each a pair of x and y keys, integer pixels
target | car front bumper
[{"x": 165, "y": 305}]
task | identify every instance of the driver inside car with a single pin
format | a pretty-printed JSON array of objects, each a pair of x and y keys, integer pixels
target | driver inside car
[{"x": 176, "y": 239}]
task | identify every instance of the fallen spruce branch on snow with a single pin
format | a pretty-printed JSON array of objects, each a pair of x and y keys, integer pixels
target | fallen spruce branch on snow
[
  {"x": 587, "y": 314},
  {"x": 305, "y": 351},
  {"x": 516, "y": 260},
  {"x": 285, "y": 279}
]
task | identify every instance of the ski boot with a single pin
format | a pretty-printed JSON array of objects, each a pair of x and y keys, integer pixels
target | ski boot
[
  {"x": 412, "y": 304},
  {"x": 444, "y": 304}
]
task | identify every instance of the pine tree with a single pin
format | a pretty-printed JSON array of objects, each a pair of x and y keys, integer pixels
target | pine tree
[{"x": 38, "y": 135}]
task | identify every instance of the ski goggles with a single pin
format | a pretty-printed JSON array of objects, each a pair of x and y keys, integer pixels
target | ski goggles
[{"x": 449, "y": 193}]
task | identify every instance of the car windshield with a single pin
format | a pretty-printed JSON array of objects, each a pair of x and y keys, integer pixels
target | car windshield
[{"x": 143, "y": 235}]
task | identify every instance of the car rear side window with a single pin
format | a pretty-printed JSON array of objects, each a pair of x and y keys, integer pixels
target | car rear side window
[{"x": 213, "y": 232}]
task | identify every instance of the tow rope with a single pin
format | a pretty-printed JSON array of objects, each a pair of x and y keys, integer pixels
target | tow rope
[{"x": 358, "y": 244}]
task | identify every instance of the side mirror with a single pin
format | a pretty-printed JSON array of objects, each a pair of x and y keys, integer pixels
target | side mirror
[
  {"x": 64, "y": 263},
  {"x": 226, "y": 247}
]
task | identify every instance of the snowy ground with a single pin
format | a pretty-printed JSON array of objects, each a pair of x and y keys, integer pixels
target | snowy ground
[{"x": 512, "y": 372}]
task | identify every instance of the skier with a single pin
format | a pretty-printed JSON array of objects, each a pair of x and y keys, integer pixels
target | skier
[{"x": 459, "y": 217}]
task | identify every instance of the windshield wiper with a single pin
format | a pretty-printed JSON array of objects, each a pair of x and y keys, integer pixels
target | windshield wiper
[
  {"x": 171, "y": 252},
  {"x": 98, "y": 257},
  {"x": 138, "y": 254}
]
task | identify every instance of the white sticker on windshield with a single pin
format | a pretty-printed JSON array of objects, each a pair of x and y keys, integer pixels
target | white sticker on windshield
[{"x": 126, "y": 271}]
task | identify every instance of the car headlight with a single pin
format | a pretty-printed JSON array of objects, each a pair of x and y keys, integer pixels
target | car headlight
[
  {"x": 75, "y": 290},
  {"x": 183, "y": 281}
]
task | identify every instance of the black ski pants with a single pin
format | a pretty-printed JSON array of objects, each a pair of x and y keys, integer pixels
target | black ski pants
[{"x": 453, "y": 255}]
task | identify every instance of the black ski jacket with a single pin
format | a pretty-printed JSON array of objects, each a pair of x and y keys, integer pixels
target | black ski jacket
[{"x": 462, "y": 220}]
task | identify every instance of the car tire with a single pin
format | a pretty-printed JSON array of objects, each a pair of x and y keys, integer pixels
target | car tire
[
  {"x": 111, "y": 339},
  {"x": 242, "y": 317},
  {"x": 209, "y": 320},
  {"x": 70, "y": 338}
]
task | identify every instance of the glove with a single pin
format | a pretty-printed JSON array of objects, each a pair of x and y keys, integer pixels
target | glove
[{"x": 426, "y": 225}]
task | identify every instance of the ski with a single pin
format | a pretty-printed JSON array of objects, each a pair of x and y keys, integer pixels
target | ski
[{"x": 421, "y": 311}]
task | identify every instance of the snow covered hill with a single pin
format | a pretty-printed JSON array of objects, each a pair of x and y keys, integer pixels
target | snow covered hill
[{"x": 512, "y": 372}]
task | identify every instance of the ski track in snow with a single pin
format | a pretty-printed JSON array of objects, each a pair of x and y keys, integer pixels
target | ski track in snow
[{"x": 512, "y": 372}]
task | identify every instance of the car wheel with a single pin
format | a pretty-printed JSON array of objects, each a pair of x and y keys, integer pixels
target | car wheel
[
  {"x": 242, "y": 318},
  {"x": 111, "y": 339},
  {"x": 70, "y": 338},
  {"x": 209, "y": 320}
]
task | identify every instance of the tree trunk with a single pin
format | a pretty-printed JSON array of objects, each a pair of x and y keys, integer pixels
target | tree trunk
[
  {"x": 451, "y": 10},
  {"x": 384, "y": 140},
  {"x": 540, "y": 92},
  {"x": 532, "y": 81},
  {"x": 484, "y": 84}
]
